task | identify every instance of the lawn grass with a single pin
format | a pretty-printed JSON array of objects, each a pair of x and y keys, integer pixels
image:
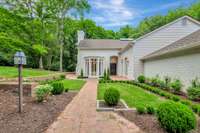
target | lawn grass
[
  {"x": 12, "y": 72},
  {"x": 73, "y": 84},
  {"x": 132, "y": 95}
]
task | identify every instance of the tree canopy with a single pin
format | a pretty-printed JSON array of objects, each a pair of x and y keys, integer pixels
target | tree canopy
[{"x": 46, "y": 30}]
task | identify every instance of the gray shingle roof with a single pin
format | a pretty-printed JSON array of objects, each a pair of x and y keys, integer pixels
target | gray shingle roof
[
  {"x": 187, "y": 42},
  {"x": 103, "y": 44}
]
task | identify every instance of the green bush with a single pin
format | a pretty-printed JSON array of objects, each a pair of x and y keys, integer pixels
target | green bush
[
  {"x": 66, "y": 89},
  {"x": 196, "y": 108},
  {"x": 175, "y": 98},
  {"x": 112, "y": 96},
  {"x": 58, "y": 88},
  {"x": 195, "y": 83},
  {"x": 176, "y": 86},
  {"x": 141, "y": 110},
  {"x": 186, "y": 102},
  {"x": 176, "y": 117},
  {"x": 62, "y": 76},
  {"x": 167, "y": 81},
  {"x": 194, "y": 93},
  {"x": 151, "y": 110},
  {"x": 141, "y": 79},
  {"x": 81, "y": 73},
  {"x": 156, "y": 81},
  {"x": 42, "y": 92}
]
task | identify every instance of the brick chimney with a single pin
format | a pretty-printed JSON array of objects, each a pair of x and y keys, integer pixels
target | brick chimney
[{"x": 81, "y": 36}]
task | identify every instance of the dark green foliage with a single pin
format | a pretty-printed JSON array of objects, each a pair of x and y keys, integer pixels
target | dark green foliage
[
  {"x": 108, "y": 74},
  {"x": 151, "y": 110},
  {"x": 141, "y": 110},
  {"x": 176, "y": 117},
  {"x": 112, "y": 96},
  {"x": 42, "y": 92},
  {"x": 175, "y": 98},
  {"x": 62, "y": 77},
  {"x": 194, "y": 93},
  {"x": 58, "y": 88},
  {"x": 141, "y": 79},
  {"x": 81, "y": 72},
  {"x": 195, "y": 83},
  {"x": 66, "y": 89},
  {"x": 176, "y": 86},
  {"x": 196, "y": 108},
  {"x": 186, "y": 102},
  {"x": 105, "y": 75},
  {"x": 167, "y": 81}
]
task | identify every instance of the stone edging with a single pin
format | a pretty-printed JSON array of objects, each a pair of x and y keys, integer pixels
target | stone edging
[{"x": 111, "y": 108}]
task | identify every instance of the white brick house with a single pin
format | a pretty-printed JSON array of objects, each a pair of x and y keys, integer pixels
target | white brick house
[{"x": 132, "y": 58}]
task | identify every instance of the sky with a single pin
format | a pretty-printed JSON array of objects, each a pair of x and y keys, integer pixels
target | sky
[{"x": 113, "y": 14}]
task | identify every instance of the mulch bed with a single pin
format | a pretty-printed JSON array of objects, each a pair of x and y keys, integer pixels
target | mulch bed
[
  {"x": 147, "y": 123},
  {"x": 36, "y": 117}
]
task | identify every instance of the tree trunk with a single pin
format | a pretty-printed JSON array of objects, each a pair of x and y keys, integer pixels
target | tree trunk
[
  {"x": 61, "y": 42},
  {"x": 61, "y": 57},
  {"x": 41, "y": 63}
]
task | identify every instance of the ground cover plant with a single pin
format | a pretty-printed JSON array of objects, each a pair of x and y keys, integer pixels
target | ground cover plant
[
  {"x": 12, "y": 72},
  {"x": 134, "y": 96}
]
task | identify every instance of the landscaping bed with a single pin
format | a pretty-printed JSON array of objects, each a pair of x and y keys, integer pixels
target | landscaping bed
[
  {"x": 36, "y": 117},
  {"x": 134, "y": 96},
  {"x": 147, "y": 123}
]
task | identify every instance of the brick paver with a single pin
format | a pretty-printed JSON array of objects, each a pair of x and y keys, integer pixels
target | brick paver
[{"x": 80, "y": 116}]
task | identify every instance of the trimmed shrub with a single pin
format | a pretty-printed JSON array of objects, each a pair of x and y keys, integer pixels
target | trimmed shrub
[
  {"x": 176, "y": 86},
  {"x": 176, "y": 117},
  {"x": 151, "y": 110},
  {"x": 66, "y": 89},
  {"x": 141, "y": 79},
  {"x": 111, "y": 96},
  {"x": 141, "y": 110},
  {"x": 42, "y": 92},
  {"x": 58, "y": 88},
  {"x": 194, "y": 93},
  {"x": 62, "y": 76},
  {"x": 175, "y": 98}
]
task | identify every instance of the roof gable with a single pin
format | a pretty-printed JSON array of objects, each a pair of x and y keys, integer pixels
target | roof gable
[
  {"x": 165, "y": 26},
  {"x": 185, "y": 43}
]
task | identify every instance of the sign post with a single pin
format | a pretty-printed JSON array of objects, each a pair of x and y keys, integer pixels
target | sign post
[{"x": 20, "y": 60}]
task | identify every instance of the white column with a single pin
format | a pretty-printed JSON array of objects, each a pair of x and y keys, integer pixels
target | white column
[
  {"x": 90, "y": 68},
  {"x": 97, "y": 67}
]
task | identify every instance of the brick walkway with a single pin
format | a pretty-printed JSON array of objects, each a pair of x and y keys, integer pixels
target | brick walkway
[{"x": 80, "y": 116}]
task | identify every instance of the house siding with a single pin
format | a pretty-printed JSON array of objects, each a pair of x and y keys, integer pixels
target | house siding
[
  {"x": 159, "y": 39},
  {"x": 185, "y": 68}
]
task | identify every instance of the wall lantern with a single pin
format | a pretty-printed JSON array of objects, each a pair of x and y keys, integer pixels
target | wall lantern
[{"x": 20, "y": 60}]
